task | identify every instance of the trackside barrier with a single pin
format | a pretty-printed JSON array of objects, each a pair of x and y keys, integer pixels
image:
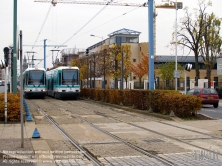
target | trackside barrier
[{"x": 29, "y": 116}]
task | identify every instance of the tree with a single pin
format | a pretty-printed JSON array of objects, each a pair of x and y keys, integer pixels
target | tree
[
  {"x": 191, "y": 32},
  {"x": 115, "y": 59},
  {"x": 82, "y": 64},
  {"x": 166, "y": 70},
  {"x": 210, "y": 43},
  {"x": 127, "y": 61},
  {"x": 140, "y": 69}
]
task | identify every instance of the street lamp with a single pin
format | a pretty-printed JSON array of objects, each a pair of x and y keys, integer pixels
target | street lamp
[
  {"x": 104, "y": 74},
  {"x": 176, "y": 47},
  {"x": 173, "y": 5}
]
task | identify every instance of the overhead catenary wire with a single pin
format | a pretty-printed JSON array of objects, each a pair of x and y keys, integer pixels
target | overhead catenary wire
[
  {"x": 88, "y": 22},
  {"x": 108, "y": 21},
  {"x": 42, "y": 25},
  {"x": 50, "y": 53}
]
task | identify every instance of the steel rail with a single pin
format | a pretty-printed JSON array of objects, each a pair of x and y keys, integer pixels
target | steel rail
[
  {"x": 195, "y": 131},
  {"x": 164, "y": 135},
  {"x": 91, "y": 158}
]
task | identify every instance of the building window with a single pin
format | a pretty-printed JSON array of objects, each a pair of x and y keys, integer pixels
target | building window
[
  {"x": 134, "y": 77},
  {"x": 132, "y": 39},
  {"x": 123, "y": 39},
  {"x": 134, "y": 60},
  {"x": 216, "y": 82},
  {"x": 188, "y": 82},
  {"x": 112, "y": 40}
]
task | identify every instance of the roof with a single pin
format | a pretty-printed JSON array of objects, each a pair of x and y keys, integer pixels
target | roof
[
  {"x": 124, "y": 31},
  {"x": 168, "y": 58}
]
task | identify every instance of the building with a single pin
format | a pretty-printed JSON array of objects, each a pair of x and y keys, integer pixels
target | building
[
  {"x": 121, "y": 37},
  {"x": 131, "y": 37},
  {"x": 190, "y": 76}
]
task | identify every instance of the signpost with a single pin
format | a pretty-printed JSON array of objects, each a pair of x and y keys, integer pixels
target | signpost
[{"x": 219, "y": 66}]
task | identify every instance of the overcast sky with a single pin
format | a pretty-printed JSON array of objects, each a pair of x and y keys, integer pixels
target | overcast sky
[{"x": 66, "y": 24}]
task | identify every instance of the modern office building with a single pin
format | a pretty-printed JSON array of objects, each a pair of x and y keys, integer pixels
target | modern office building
[{"x": 131, "y": 37}]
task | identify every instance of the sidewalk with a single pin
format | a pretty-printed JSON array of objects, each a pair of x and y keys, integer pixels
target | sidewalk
[{"x": 10, "y": 144}]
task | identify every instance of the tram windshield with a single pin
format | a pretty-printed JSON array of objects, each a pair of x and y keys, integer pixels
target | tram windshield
[
  {"x": 70, "y": 77},
  {"x": 36, "y": 77}
]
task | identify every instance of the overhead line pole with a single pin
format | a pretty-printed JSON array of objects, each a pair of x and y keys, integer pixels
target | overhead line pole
[
  {"x": 44, "y": 47},
  {"x": 151, "y": 45}
]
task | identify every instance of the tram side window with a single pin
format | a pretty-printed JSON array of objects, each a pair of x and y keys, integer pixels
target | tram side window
[
  {"x": 59, "y": 78},
  {"x": 27, "y": 79}
]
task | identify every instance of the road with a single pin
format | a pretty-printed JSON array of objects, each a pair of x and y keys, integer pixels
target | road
[
  {"x": 209, "y": 110},
  {"x": 2, "y": 89}
]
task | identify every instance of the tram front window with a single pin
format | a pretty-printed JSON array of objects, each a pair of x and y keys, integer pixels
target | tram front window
[
  {"x": 69, "y": 77},
  {"x": 36, "y": 77}
]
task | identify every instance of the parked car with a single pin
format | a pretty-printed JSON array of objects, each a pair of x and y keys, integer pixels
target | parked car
[
  {"x": 2, "y": 83},
  {"x": 209, "y": 95}
]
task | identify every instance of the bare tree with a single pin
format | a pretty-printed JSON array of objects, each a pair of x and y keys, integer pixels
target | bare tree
[{"x": 191, "y": 32}]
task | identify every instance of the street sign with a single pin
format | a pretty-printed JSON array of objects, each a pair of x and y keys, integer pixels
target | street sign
[
  {"x": 176, "y": 74},
  {"x": 219, "y": 66}
]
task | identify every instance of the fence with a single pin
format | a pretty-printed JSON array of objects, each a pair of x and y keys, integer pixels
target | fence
[{"x": 164, "y": 85}]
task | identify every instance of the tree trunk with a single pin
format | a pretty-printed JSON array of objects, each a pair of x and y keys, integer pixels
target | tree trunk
[
  {"x": 126, "y": 83},
  {"x": 196, "y": 69},
  {"x": 116, "y": 80}
]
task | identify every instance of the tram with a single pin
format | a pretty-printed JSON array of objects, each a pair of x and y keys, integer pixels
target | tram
[
  {"x": 34, "y": 80},
  {"x": 63, "y": 82}
]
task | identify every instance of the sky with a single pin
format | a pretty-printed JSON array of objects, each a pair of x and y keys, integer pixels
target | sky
[{"x": 72, "y": 24}]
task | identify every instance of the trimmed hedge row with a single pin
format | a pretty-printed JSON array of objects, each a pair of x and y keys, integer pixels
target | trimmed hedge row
[
  {"x": 13, "y": 107},
  {"x": 160, "y": 101}
]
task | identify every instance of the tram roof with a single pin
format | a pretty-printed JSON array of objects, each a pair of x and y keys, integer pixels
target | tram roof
[
  {"x": 36, "y": 68},
  {"x": 65, "y": 67}
]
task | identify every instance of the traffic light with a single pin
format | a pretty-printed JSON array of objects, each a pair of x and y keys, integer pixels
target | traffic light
[
  {"x": 2, "y": 65},
  {"x": 87, "y": 52},
  {"x": 6, "y": 54},
  {"x": 188, "y": 67}
]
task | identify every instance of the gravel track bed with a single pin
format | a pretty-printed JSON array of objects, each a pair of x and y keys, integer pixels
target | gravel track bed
[
  {"x": 114, "y": 150},
  {"x": 111, "y": 111},
  {"x": 49, "y": 108}
]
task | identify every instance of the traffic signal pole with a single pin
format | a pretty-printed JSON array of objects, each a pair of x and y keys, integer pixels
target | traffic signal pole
[
  {"x": 5, "y": 96},
  {"x": 14, "y": 77}
]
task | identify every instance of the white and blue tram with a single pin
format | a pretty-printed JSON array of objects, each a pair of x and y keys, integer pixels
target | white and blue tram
[
  {"x": 34, "y": 80},
  {"x": 63, "y": 82}
]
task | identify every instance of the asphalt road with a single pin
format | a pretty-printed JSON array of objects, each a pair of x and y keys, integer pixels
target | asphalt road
[
  {"x": 2, "y": 89},
  {"x": 209, "y": 110}
]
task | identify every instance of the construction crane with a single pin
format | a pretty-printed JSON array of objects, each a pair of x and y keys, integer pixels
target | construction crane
[
  {"x": 54, "y": 2},
  {"x": 169, "y": 5}
]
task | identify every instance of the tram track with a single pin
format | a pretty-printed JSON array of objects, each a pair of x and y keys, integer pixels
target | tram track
[
  {"x": 74, "y": 143},
  {"x": 161, "y": 122},
  {"x": 141, "y": 150},
  {"x": 158, "y": 133},
  {"x": 80, "y": 106}
]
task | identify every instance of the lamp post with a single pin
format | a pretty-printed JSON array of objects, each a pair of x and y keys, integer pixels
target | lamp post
[
  {"x": 176, "y": 48},
  {"x": 175, "y": 5},
  {"x": 104, "y": 74}
]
